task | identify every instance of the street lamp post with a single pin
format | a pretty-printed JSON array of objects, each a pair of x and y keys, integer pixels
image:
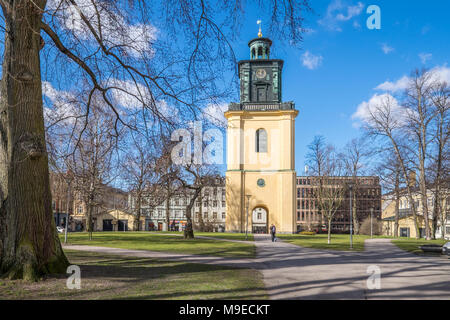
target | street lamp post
[
  {"x": 246, "y": 220},
  {"x": 350, "y": 186}
]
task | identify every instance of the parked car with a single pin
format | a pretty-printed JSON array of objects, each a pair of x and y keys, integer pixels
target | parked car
[
  {"x": 446, "y": 248},
  {"x": 60, "y": 229}
]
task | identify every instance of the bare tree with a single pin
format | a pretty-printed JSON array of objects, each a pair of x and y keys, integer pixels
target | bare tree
[
  {"x": 391, "y": 179},
  {"x": 387, "y": 121},
  {"x": 329, "y": 191},
  {"x": 325, "y": 168},
  {"x": 317, "y": 159},
  {"x": 112, "y": 44},
  {"x": 139, "y": 172},
  {"x": 169, "y": 176},
  {"x": 92, "y": 162},
  {"x": 420, "y": 114},
  {"x": 440, "y": 153},
  {"x": 195, "y": 178},
  {"x": 354, "y": 157}
]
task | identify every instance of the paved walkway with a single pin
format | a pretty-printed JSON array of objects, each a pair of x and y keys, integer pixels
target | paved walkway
[{"x": 293, "y": 272}]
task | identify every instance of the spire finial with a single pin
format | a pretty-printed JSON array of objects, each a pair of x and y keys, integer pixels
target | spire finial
[{"x": 259, "y": 33}]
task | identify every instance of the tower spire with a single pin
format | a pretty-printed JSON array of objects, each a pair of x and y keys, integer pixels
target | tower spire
[{"x": 259, "y": 32}]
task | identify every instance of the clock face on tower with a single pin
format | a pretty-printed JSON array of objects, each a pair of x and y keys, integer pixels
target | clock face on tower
[{"x": 261, "y": 73}]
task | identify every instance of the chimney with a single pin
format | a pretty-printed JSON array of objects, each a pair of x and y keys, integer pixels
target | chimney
[{"x": 412, "y": 179}]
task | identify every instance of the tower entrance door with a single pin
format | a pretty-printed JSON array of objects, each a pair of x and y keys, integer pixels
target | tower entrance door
[{"x": 259, "y": 220}]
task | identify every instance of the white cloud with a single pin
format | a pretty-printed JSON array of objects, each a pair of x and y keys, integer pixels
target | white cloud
[
  {"x": 424, "y": 57},
  {"x": 116, "y": 32},
  {"x": 352, "y": 11},
  {"x": 133, "y": 96},
  {"x": 388, "y": 105},
  {"x": 63, "y": 105},
  {"x": 380, "y": 103},
  {"x": 338, "y": 12},
  {"x": 129, "y": 94},
  {"x": 441, "y": 73},
  {"x": 386, "y": 49},
  {"x": 400, "y": 84},
  {"x": 214, "y": 113},
  {"x": 311, "y": 61}
]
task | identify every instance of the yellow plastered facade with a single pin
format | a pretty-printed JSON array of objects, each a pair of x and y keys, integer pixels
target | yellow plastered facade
[{"x": 276, "y": 167}]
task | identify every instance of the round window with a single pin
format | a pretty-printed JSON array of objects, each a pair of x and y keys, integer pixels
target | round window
[{"x": 261, "y": 182}]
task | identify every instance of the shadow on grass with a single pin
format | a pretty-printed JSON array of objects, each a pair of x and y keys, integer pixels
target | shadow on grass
[{"x": 116, "y": 277}]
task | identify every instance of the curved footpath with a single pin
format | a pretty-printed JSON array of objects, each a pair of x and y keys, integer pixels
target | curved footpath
[{"x": 293, "y": 272}]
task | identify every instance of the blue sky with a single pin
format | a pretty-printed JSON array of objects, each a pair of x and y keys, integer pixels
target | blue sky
[{"x": 341, "y": 61}]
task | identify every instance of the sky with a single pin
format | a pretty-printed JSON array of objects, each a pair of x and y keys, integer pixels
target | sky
[
  {"x": 341, "y": 67},
  {"x": 342, "y": 64}
]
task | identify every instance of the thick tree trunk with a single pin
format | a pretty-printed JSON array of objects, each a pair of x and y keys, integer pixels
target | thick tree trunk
[
  {"x": 168, "y": 212},
  {"x": 29, "y": 244},
  {"x": 138, "y": 212},
  {"x": 189, "y": 230},
  {"x": 89, "y": 220}
]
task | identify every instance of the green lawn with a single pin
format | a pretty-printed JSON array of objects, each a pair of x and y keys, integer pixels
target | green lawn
[
  {"x": 412, "y": 244},
  {"x": 319, "y": 241},
  {"x": 226, "y": 235},
  {"x": 218, "y": 235},
  {"x": 115, "y": 277},
  {"x": 161, "y": 242}
]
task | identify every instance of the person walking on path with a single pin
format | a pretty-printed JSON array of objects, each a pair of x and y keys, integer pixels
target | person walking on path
[{"x": 273, "y": 231}]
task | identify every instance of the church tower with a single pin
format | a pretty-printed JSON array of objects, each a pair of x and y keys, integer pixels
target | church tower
[{"x": 260, "y": 177}]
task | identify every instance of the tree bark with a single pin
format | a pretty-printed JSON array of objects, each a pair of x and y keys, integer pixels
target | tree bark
[
  {"x": 168, "y": 212},
  {"x": 329, "y": 231},
  {"x": 29, "y": 244},
  {"x": 138, "y": 211},
  {"x": 397, "y": 204},
  {"x": 90, "y": 207},
  {"x": 189, "y": 230}
]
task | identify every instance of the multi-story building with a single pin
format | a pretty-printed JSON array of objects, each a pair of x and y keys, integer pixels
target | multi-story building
[
  {"x": 211, "y": 204},
  {"x": 366, "y": 191},
  {"x": 406, "y": 222},
  {"x": 109, "y": 198}
]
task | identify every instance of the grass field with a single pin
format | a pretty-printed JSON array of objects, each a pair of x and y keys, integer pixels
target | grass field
[
  {"x": 115, "y": 277},
  {"x": 342, "y": 242},
  {"x": 218, "y": 235},
  {"x": 163, "y": 242},
  {"x": 339, "y": 242},
  {"x": 412, "y": 244}
]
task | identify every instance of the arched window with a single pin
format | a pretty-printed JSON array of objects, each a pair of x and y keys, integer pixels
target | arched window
[
  {"x": 253, "y": 53},
  {"x": 260, "y": 52},
  {"x": 261, "y": 140}
]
